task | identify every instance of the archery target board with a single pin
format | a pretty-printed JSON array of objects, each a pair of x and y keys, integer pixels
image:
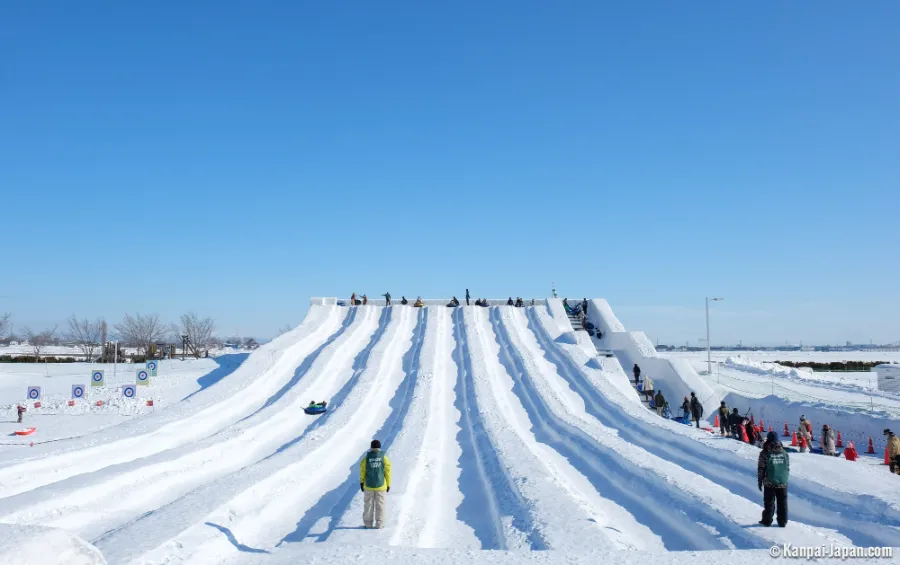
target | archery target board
[
  {"x": 97, "y": 378},
  {"x": 129, "y": 391},
  {"x": 151, "y": 367},
  {"x": 77, "y": 392},
  {"x": 143, "y": 377},
  {"x": 34, "y": 393}
]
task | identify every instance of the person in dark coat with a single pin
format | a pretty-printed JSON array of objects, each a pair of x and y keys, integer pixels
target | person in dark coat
[
  {"x": 510, "y": 302},
  {"x": 723, "y": 419},
  {"x": 584, "y": 306},
  {"x": 686, "y": 409},
  {"x": 387, "y": 298},
  {"x": 403, "y": 300},
  {"x": 773, "y": 469},
  {"x": 467, "y": 297},
  {"x": 696, "y": 409},
  {"x": 659, "y": 401},
  {"x": 637, "y": 374},
  {"x": 21, "y": 410},
  {"x": 735, "y": 421}
]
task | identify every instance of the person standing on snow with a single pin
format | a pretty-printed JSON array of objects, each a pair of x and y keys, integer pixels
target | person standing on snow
[
  {"x": 686, "y": 408},
  {"x": 467, "y": 297},
  {"x": 724, "y": 428},
  {"x": 735, "y": 421},
  {"x": 637, "y": 374},
  {"x": 375, "y": 483},
  {"x": 893, "y": 447},
  {"x": 805, "y": 431},
  {"x": 353, "y": 299},
  {"x": 696, "y": 409},
  {"x": 584, "y": 306},
  {"x": 387, "y": 298},
  {"x": 660, "y": 402},
  {"x": 828, "y": 447},
  {"x": 850, "y": 452},
  {"x": 21, "y": 410},
  {"x": 773, "y": 470}
]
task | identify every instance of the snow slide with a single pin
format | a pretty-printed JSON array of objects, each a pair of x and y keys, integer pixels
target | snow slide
[{"x": 505, "y": 429}]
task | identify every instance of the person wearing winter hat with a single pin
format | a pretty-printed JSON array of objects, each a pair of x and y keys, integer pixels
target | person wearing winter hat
[
  {"x": 772, "y": 472},
  {"x": 375, "y": 482},
  {"x": 850, "y": 452}
]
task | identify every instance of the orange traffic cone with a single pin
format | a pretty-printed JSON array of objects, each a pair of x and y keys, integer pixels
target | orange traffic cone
[
  {"x": 871, "y": 448},
  {"x": 717, "y": 421},
  {"x": 770, "y": 429},
  {"x": 840, "y": 441},
  {"x": 887, "y": 457},
  {"x": 786, "y": 432},
  {"x": 744, "y": 435},
  {"x": 802, "y": 442},
  {"x": 762, "y": 424},
  {"x": 794, "y": 439}
]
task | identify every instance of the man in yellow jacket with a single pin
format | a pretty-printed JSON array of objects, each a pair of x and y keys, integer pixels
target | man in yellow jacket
[{"x": 375, "y": 482}]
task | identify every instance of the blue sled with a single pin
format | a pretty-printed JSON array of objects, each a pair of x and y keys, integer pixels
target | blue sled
[{"x": 314, "y": 410}]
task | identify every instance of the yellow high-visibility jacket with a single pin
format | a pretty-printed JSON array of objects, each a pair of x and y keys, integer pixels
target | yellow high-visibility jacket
[{"x": 387, "y": 473}]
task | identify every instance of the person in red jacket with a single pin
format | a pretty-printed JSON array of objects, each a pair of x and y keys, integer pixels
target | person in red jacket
[{"x": 850, "y": 452}]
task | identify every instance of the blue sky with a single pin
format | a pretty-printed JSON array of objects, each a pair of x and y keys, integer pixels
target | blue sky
[{"x": 235, "y": 158}]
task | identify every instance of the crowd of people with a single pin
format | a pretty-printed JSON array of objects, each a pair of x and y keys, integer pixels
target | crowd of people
[{"x": 363, "y": 300}]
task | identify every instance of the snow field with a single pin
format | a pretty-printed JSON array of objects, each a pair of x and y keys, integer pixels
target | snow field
[
  {"x": 268, "y": 365},
  {"x": 505, "y": 431}
]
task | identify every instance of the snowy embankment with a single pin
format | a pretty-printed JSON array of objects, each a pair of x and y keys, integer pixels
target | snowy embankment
[
  {"x": 676, "y": 378},
  {"x": 37, "y": 545},
  {"x": 505, "y": 431}
]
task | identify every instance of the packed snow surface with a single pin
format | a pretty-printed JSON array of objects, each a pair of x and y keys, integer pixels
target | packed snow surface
[{"x": 505, "y": 429}]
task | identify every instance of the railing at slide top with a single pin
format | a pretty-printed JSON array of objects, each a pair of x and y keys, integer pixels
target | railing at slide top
[{"x": 395, "y": 301}]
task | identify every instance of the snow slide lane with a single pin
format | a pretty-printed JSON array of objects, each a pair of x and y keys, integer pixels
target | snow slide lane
[
  {"x": 863, "y": 520},
  {"x": 265, "y": 369},
  {"x": 685, "y": 511},
  {"x": 423, "y": 498},
  {"x": 555, "y": 504},
  {"x": 268, "y": 509},
  {"x": 107, "y": 498}
]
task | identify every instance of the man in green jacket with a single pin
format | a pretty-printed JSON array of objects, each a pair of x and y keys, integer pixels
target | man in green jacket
[
  {"x": 773, "y": 470},
  {"x": 375, "y": 482}
]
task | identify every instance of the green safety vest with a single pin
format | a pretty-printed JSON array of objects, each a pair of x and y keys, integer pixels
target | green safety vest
[{"x": 375, "y": 469}]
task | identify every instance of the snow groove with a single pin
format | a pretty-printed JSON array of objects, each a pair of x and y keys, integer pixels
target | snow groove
[
  {"x": 719, "y": 466},
  {"x": 481, "y": 486},
  {"x": 269, "y": 508},
  {"x": 669, "y": 512}
]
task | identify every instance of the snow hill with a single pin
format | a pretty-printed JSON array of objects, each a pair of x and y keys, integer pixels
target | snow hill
[{"x": 506, "y": 429}]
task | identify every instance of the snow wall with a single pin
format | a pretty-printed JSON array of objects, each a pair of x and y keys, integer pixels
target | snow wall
[
  {"x": 610, "y": 366},
  {"x": 675, "y": 377}
]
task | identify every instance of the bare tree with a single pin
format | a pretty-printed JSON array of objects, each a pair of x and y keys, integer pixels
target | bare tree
[
  {"x": 141, "y": 331},
  {"x": 87, "y": 335},
  {"x": 198, "y": 331},
  {"x": 5, "y": 324},
  {"x": 39, "y": 340}
]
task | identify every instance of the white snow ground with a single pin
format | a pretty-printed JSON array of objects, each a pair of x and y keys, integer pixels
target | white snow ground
[{"x": 505, "y": 429}]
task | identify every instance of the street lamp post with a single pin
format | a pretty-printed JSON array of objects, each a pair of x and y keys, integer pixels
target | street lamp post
[{"x": 708, "y": 346}]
